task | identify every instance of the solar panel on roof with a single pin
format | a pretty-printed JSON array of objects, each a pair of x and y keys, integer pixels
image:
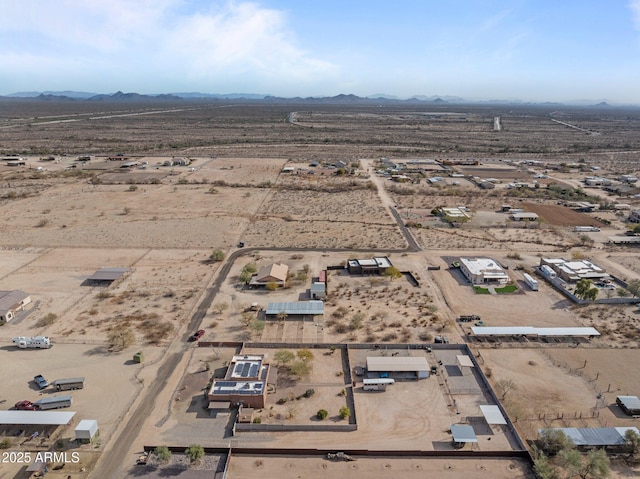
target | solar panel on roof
[
  {"x": 253, "y": 371},
  {"x": 245, "y": 369}
]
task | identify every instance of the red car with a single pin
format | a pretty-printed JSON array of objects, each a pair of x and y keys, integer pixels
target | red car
[
  {"x": 25, "y": 406},
  {"x": 197, "y": 335}
]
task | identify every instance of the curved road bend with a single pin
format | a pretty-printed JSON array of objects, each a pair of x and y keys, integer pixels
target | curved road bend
[{"x": 115, "y": 460}]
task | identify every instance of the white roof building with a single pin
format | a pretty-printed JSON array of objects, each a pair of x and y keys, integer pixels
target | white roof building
[{"x": 483, "y": 270}]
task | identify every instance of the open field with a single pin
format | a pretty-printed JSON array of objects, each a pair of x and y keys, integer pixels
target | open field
[
  {"x": 66, "y": 220},
  {"x": 561, "y": 215}
]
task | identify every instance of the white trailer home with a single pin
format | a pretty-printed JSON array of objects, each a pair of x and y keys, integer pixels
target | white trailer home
[{"x": 533, "y": 283}]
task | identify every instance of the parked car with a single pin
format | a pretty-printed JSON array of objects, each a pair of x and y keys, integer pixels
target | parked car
[
  {"x": 25, "y": 406},
  {"x": 40, "y": 381},
  {"x": 441, "y": 339},
  {"x": 197, "y": 335}
]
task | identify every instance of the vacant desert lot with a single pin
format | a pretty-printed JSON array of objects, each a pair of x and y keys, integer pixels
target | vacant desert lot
[{"x": 564, "y": 387}]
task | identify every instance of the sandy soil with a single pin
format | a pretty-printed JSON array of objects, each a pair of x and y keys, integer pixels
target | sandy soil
[{"x": 287, "y": 468}]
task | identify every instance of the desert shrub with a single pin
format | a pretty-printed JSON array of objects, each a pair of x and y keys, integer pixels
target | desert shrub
[
  {"x": 309, "y": 392},
  {"x": 257, "y": 420},
  {"x": 162, "y": 453},
  {"x": 345, "y": 412},
  {"x": 322, "y": 414},
  {"x": 5, "y": 443},
  {"x": 47, "y": 320},
  {"x": 217, "y": 255}
]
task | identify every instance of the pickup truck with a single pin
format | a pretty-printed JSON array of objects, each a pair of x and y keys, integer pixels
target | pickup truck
[
  {"x": 25, "y": 406},
  {"x": 40, "y": 381},
  {"x": 197, "y": 335}
]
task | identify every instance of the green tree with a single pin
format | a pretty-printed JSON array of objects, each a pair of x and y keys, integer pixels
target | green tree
[
  {"x": 392, "y": 273},
  {"x": 632, "y": 444},
  {"x": 256, "y": 326},
  {"x": 322, "y": 414},
  {"x": 217, "y": 255},
  {"x": 271, "y": 286},
  {"x": 194, "y": 452},
  {"x": 300, "y": 369},
  {"x": 245, "y": 277},
  {"x": 633, "y": 287},
  {"x": 250, "y": 268},
  {"x": 543, "y": 467},
  {"x": 584, "y": 290},
  {"x": 305, "y": 355},
  {"x": 593, "y": 465},
  {"x": 623, "y": 293},
  {"x": 162, "y": 453},
  {"x": 345, "y": 412},
  {"x": 283, "y": 356},
  {"x": 552, "y": 441}
]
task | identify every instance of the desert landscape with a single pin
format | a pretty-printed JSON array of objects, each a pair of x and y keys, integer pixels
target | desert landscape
[{"x": 190, "y": 202}]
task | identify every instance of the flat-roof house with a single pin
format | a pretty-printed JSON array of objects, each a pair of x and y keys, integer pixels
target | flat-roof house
[
  {"x": 11, "y": 302},
  {"x": 245, "y": 383},
  {"x": 575, "y": 270},
  {"x": 483, "y": 270},
  {"x": 273, "y": 273},
  {"x": 368, "y": 266}
]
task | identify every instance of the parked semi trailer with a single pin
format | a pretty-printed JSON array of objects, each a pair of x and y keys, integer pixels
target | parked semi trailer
[
  {"x": 69, "y": 383},
  {"x": 24, "y": 342},
  {"x": 55, "y": 402},
  {"x": 533, "y": 283}
]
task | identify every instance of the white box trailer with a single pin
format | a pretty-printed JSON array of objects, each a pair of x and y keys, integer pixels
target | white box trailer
[
  {"x": 55, "y": 402},
  {"x": 548, "y": 271},
  {"x": 24, "y": 342},
  {"x": 533, "y": 284},
  {"x": 583, "y": 229},
  {"x": 376, "y": 384}
]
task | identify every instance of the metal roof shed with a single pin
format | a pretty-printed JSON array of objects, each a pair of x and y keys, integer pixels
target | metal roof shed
[
  {"x": 86, "y": 429},
  {"x": 397, "y": 364},
  {"x": 492, "y": 414},
  {"x": 108, "y": 274},
  {"x": 601, "y": 436},
  {"x": 463, "y": 433},
  {"x": 296, "y": 308},
  {"x": 39, "y": 418},
  {"x": 630, "y": 404}
]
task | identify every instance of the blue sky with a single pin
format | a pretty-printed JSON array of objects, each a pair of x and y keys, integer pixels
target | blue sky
[{"x": 532, "y": 50}]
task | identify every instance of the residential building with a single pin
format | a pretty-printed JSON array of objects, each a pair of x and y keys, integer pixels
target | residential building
[{"x": 483, "y": 270}]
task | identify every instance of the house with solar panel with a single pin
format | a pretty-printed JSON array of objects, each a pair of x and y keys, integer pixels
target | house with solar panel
[{"x": 245, "y": 383}]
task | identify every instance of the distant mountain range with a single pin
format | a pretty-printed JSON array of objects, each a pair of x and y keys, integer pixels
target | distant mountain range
[{"x": 342, "y": 98}]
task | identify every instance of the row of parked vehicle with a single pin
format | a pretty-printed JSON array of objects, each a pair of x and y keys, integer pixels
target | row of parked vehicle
[{"x": 54, "y": 402}]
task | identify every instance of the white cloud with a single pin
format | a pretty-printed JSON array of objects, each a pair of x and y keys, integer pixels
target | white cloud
[
  {"x": 172, "y": 40},
  {"x": 634, "y": 6}
]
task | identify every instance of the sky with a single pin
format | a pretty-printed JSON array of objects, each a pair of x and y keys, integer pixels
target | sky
[{"x": 529, "y": 50}]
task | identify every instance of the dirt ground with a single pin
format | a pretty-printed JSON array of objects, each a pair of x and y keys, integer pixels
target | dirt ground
[
  {"x": 110, "y": 379},
  {"x": 287, "y": 468},
  {"x": 164, "y": 222}
]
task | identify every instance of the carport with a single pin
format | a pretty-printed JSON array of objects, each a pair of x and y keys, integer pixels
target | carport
[{"x": 463, "y": 434}]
